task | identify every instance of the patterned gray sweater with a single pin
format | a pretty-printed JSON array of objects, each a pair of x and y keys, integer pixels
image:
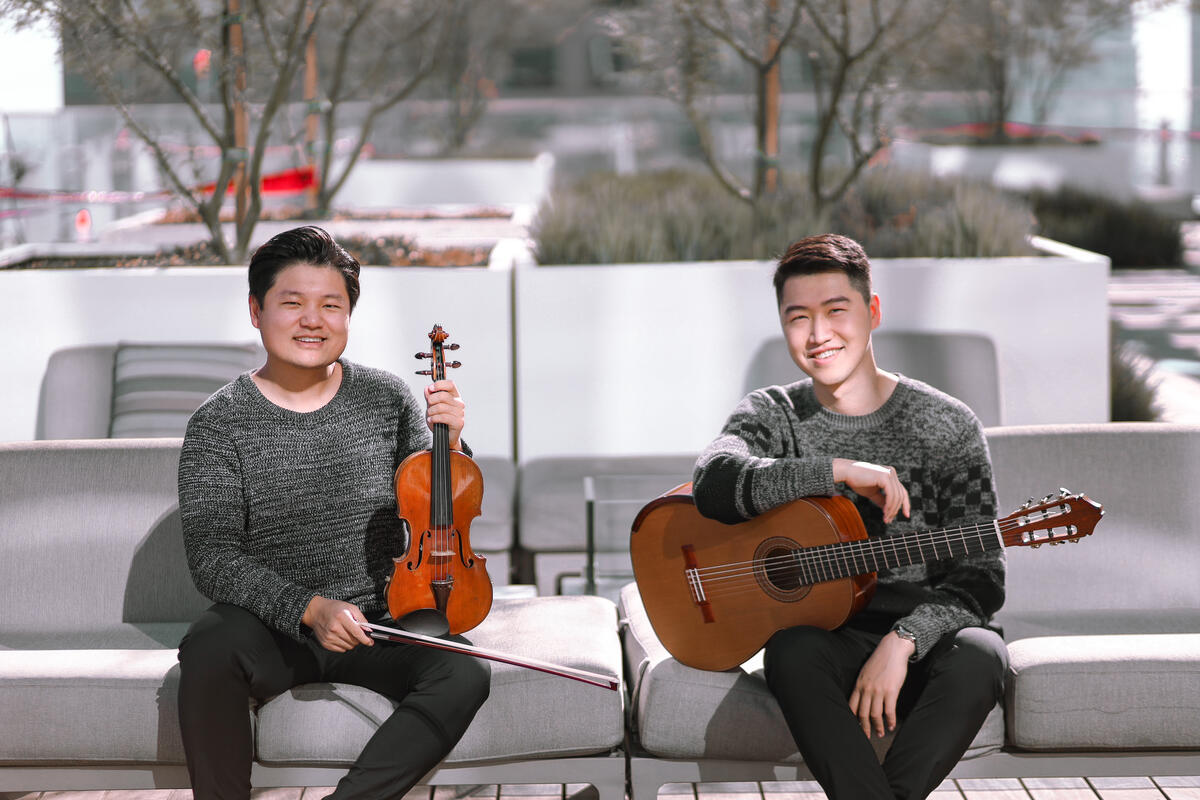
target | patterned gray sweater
[
  {"x": 279, "y": 506},
  {"x": 779, "y": 444}
]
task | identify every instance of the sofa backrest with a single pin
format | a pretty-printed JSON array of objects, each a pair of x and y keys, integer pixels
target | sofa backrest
[
  {"x": 134, "y": 390},
  {"x": 90, "y": 535},
  {"x": 550, "y": 497},
  {"x": 1144, "y": 553}
]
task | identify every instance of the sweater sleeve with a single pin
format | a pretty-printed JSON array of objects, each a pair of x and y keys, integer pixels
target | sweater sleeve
[
  {"x": 213, "y": 511},
  {"x": 967, "y": 590},
  {"x": 752, "y": 466}
]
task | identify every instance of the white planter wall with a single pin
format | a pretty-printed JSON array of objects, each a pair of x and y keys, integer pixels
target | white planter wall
[
  {"x": 652, "y": 358},
  {"x": 609, "y": 360},
  {"x": 53, "y": 309}
]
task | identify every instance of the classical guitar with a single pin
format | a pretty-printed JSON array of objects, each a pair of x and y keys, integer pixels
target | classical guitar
[{"x": 715, "y": 593}]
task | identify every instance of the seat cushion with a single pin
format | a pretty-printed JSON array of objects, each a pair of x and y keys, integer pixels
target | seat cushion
[
  {"x": 98, "y": 705},
  {"x": 681, "y": 712},
  {"x": 529, "y": 714},
  {"x": 1105, "y": 692}
]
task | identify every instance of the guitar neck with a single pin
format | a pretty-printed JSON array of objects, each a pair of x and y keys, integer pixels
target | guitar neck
[{"x": 848, "y": 559}]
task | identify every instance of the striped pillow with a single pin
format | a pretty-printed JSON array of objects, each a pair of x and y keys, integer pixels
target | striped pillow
[{"x": 157, "y": 387}]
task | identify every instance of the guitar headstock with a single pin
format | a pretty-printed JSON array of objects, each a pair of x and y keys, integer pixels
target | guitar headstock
[
  {"x": 1054, "y": 519},
  {"x": 437, "y": 369}
]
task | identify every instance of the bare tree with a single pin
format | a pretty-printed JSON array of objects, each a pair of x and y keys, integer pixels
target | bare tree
[
  {"x": 856, "y": 50},
  {"x": 377, "y": 52},
  {"x": 1005, "y": 49}
]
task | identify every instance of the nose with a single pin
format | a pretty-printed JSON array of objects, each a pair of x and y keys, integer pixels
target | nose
[
  {"x": 819, "y": 332},
  {"x": 309, "y": 318}
]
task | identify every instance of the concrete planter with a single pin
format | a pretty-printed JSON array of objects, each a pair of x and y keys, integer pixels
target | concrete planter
[{"x": 651, "y": 358}]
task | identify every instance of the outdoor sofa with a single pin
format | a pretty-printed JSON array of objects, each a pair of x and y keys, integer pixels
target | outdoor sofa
[
  {"x": 96, "y": 595},
  {"x": 1104, "y": 635}
]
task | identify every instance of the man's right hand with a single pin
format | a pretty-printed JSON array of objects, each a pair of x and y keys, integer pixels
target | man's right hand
[
  {"x": 878, "y": 484},
  {"x": 336, "y": 624}
]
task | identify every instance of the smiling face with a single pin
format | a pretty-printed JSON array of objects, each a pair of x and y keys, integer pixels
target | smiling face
[
  {"x": 828, "y": 325},
  {"x": 304, "y": 318}
]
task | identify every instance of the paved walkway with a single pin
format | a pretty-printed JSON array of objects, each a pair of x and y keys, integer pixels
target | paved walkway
[{"x": 1173, "y": 788}]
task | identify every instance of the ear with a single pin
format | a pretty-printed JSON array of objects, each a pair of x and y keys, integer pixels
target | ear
[
  {"x": 876, "y": 317},
  {"x": 255, "y": 311}
]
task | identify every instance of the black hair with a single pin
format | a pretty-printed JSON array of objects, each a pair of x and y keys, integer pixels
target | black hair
[
  {"x": 305, "y": 245},
  {"x": 826, "y": 252}
]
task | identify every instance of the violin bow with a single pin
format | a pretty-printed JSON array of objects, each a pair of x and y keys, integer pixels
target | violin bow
[{"x": 387, "y": 634}]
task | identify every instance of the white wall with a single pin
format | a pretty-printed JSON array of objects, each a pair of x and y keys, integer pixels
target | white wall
[
  {"x": 609, "y": 360},
  {"x": 652, "y": 358},
  {"x": 52, "y": 309}
]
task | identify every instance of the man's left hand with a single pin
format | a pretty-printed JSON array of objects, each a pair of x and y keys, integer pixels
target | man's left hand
[
  {"x": 873, "y": 700},
  {"x": 445, "y": 405}
]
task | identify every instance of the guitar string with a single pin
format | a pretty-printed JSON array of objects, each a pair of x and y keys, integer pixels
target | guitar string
[
  {"x": 823, "y": 562},
  {"x": 828, "y": 552}
]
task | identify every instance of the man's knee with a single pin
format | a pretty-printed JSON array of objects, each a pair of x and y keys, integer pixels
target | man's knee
[
  {"x": 977, "y": 657},
  {"x": 219, "y": 639},
  {"x": 792, "y": 652}
]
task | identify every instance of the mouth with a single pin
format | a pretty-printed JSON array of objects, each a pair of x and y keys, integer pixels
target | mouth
[
  {"x": 309, "y": 340},
  {"x": 824, "y": 354}
]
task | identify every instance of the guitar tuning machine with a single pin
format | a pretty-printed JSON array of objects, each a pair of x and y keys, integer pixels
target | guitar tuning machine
[
  {"x": 1028, "y": 503},
  {"x": 1064, "y": 492}
]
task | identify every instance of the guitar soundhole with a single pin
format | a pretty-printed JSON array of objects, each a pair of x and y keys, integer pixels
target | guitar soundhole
[{"x": 777, "y": 571}]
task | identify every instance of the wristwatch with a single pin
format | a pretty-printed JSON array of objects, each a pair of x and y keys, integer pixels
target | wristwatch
[{"x": 905, "y": 633}]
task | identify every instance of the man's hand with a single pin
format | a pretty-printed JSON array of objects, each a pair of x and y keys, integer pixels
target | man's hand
[
  {"x": 873, "y": 700},
  {"x": 878, "y": 484},
  {"x": 336, "y": 624},
  {"x": 444, "y": 404}
]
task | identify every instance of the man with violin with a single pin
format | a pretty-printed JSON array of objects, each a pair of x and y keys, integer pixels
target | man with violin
[
  {"x": 919, "y": 659},
  {"x": 290, "y": 526}
]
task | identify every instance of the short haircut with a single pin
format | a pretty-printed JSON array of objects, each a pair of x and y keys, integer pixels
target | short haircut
[
  {"x": 307, "y": 245},
  {"x": 826, "y": 252}
]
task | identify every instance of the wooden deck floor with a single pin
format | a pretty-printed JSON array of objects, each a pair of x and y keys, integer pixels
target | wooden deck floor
[{"x": 1146, "y": 788}]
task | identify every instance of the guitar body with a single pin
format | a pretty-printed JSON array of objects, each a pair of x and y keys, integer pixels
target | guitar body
[{"x": 751, "y": 589}]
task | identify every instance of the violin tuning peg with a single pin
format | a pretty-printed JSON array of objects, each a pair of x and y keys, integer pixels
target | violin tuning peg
[
  {"x": 423, "y": 355},
  {"x": 453, "y": 346},
  {"x": 428, "y": 372},
  {"x": 454, "y": 365}
]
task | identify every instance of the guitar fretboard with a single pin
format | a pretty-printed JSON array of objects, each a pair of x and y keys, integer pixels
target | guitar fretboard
[{"x": 847, "y": 559}]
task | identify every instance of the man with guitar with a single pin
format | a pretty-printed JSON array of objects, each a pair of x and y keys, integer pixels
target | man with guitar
[
  {"x": 918, "y": 660},
  {"x": 289, "y": 522}
]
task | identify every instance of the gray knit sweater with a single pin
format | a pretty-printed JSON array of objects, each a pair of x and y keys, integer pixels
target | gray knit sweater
[
  {"x": 779, "y": 444},
  {"x": 279, "y": 506}
]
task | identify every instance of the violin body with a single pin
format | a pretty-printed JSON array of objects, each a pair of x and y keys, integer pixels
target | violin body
[
  {"x": 439, "y": 585},
  {"x": 437, "y": 553}
]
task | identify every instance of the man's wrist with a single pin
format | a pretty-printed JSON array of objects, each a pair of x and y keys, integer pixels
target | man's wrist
[{"x": 905, "y": 635}]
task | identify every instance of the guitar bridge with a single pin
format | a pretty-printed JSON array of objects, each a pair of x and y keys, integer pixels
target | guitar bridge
[{"x": 695, "y": 584}]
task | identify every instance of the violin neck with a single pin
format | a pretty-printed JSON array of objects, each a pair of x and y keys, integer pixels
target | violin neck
[{"x": 441, "y": 510}]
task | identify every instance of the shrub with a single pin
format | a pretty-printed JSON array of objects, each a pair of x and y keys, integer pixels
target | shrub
[
  {"x": 1131, "y": 234},
  {"x": 1133, "y": 389},
  {"x": 685, "y": 216}
]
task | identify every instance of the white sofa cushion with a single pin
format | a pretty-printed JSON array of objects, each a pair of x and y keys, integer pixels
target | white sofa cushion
[
  {"x": 686, "y": 713},
  {"x": 529, "y": 714},
  {"x": 1105, "y": 692},
  {"x": 94, "y": 705}
]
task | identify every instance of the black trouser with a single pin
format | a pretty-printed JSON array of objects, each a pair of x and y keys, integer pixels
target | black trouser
[
  {"x": 229, "y": 656},
  {"x": 943, "y": 703}
]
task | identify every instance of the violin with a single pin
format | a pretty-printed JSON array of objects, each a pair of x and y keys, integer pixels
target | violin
[{"x": 439, "y": 585}]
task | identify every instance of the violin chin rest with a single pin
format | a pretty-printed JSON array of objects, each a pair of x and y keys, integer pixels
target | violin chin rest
[{"x": 425, "y": 621}]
